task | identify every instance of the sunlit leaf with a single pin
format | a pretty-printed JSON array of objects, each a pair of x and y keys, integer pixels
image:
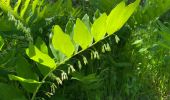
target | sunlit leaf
[
  {"x": 62, "y": 41},
  {"x": 1, "y": 43},
  {"x": 81, "y": 34},
  {"x": 21, "y": 79},
  {"x": 99, "y": 27},
  {"x": 26, "y": 4},
  {"x": 35, "y": 54},
  {"x": 119, "y": 16}
]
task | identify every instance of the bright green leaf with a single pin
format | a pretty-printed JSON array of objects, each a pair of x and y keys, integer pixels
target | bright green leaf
[
  {"x": 26, "y": 4},
  {"x": 17, "y": 6},
  {"x": 82, "y": 36},
  {"x": 119, "y": 16},
  {"x": 99, "y": 27},
  {"x": 35, "y": 54},
  {"x": 62, "y": 41},
  {"x": 1, "y": 43},
  {"x": 21, "y": 79}
]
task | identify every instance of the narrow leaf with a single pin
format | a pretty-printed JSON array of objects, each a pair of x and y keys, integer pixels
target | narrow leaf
[
  {"x": 1, "y": 43},
  {"x": 17, "y": 78},
  {"x": 17, "y": 6},
  {"x": 24, "y": 8}
]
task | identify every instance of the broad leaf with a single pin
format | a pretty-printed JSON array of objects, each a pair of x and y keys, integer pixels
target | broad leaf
[
  {"x": 82, "y": 36},
  {"x": 99, "y": 27},
  {"x": 21, "y": 79},
  {"x": 9, "y": 92},
  {"x": 62, "y": 41},
  {"x": 119, "y": 16},
  {"x": 35, "y": 54},
  {"x": 23, "y": 69}
]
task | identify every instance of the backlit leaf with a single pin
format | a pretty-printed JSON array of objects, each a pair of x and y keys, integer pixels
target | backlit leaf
[
  {"x": 62, "y": 41},
  {"x": 99, "y": 27},
  {"x": 35, "y": 54},
  {"x": 82, "y": 36},
  {"x": 119, "y": 16},
  {"x": 21, "y": 79}
]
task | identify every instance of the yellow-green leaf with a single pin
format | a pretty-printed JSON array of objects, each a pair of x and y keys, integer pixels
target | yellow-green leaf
[
  {"x": 1, "y": 42},
  {"x": 17, "y": 78},
  {"x": 26, "y": 4},
  {"x": 82, "y": 36},
  {"x": 62, "y": 41},
  {"x": 99, "y": 27},
  {"x": 35, "y": 54},
  {"x": 119, "y": 16}
]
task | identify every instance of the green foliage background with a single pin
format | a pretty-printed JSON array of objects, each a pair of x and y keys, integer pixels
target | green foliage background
[{"x": 131, "y": 64}]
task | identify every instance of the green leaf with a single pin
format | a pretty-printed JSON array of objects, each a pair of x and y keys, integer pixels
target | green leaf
[
  {"x": 86, "y": 21},
  {"x": 17, "y": 6},
  {"x": 23, "y": 69},
  {"x": 35, "y": 54},
  {"x": 40, "y": 44},
  {"x": 24, "y": 8},
  {"x": 69, "y": 28},
  {"x": 9, "y": 92},
  {"x": 62, "y": 41},
  {"x": 21, "y": 79},
  {"x": 1, "y": 43},
  {"x": 99, "y": 27},
  {"x": 114, "y": 16},
  {"x": 119, "y": 16},
  {"x": 82, "y": 36}
]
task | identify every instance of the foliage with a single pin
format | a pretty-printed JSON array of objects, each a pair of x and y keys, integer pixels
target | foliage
[{"x": 58, "y": 49}]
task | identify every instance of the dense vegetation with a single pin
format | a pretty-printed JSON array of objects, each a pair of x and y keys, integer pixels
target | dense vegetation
[{"x": 84, "y": 49}]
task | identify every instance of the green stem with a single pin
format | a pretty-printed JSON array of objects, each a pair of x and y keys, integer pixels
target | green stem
[{"x": 43, "y": 80}]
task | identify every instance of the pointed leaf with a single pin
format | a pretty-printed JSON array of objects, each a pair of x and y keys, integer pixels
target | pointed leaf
[
  {"x": 99, "y": 27},
  {"x": 21, "y": 79},
  {"x": 81, "y": 35},
  {"x": 17, "y": 6},
  {"x": 1, "y": 43},
  {"x": 35, "y": 54},
  {"x": 24, "y": 8},
  {"x": 86, "y": 21},
  {"x": 62, "y": 41},
  {"x": 119, "y": 15}
]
